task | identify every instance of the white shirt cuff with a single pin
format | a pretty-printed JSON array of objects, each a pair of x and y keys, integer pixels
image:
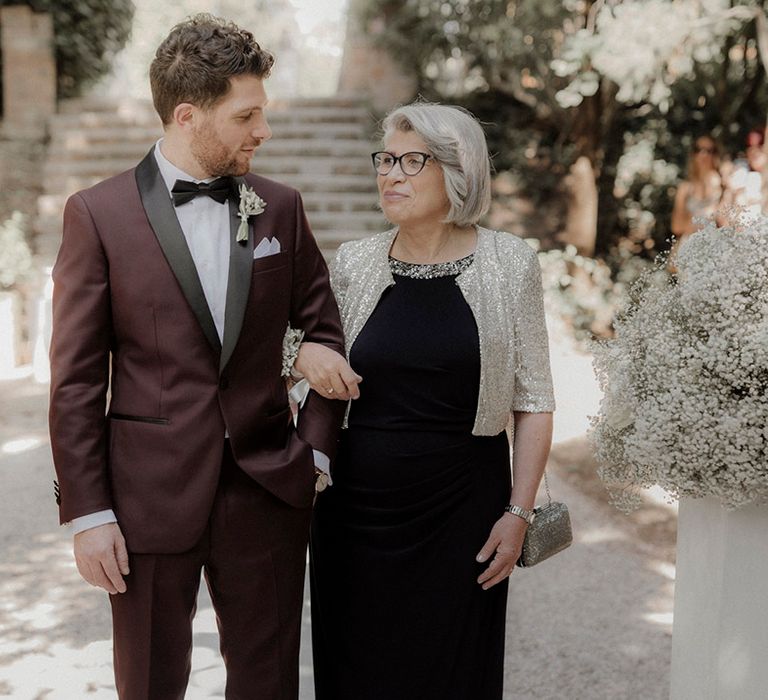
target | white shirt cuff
[
  {"x": 298, "y": 394},
  {"x": 88, "y": 522},
  {"x": 104, "y": 517},
  {"x": 323, "y": 464}
]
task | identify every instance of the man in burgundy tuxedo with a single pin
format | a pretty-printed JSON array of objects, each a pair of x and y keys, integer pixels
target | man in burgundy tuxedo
[{"x": 166, "y": 304}]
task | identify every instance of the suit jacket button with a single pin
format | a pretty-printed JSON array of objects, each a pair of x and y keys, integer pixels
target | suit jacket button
[{"x": 223, "y": 383}]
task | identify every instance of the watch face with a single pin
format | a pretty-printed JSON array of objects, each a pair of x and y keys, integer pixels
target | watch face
[{"x": 321, "y": 482}]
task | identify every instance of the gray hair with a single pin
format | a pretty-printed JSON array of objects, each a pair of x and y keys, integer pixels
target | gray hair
[{"x": 456, "y": 141}]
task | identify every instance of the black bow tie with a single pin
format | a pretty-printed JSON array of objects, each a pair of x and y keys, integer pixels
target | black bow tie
[{"x": 184, "y": 191}]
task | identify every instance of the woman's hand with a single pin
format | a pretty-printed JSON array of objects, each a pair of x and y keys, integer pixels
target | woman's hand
[
  {"x": 327, "y": 372},
  {"x": 506, "y": 541}
]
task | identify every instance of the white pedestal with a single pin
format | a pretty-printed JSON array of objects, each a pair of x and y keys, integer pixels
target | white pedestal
[
  {"x": 720, "y": 634},
  {"x": 9, "y": 332}
]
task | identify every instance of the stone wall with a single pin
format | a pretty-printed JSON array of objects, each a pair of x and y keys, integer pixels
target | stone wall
[
  {"x": 370, "y": 71},
  {"x": 21, "y": 166},
  {"x": 29, "y": 100},
  {"x": 29, "y": 71}
]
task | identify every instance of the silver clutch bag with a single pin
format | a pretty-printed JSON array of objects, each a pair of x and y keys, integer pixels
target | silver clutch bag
[{"x": 548, "y": 534}]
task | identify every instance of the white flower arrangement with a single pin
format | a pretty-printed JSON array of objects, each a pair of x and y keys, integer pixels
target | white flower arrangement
[
  {"x": 250, "y": 205},
  {"x": 685, "y": 379}
]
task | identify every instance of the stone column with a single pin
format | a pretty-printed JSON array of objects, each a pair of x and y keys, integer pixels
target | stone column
[
  {"x": 369, "y": 71},
  {"x": 29, "y": 71},
  {"x": 720, "y": 633}
]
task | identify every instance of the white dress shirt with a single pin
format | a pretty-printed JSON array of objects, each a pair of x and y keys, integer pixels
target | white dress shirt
[{"x": 206, "y": 227}]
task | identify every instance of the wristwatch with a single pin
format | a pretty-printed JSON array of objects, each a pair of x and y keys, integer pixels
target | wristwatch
[
  {"x": 526, "y": 515},
  {"x": 321, "y": 480}
]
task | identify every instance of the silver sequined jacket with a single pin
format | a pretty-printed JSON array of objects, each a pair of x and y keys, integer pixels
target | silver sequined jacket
[{"x": 502, "y": 288}]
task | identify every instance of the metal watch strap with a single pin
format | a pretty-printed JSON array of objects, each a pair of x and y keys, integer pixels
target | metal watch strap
[
  {"x": 529, "y": 515},
  {"x": 526, "y": 515}
]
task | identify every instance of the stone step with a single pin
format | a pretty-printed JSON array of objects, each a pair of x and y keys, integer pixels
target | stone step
[
  {"x": 320, "y": 146},
  {"x": 263, "y": 163},
  {"x": 280, "y": 145},
  {"x": 95, "y": 103},
  {"x": 104, "y": 120},
  {"x": 66, "y": 183},
  {"x": 52, "y": 205},
  {"x": 306, "y": 115},
  {"x": 100, "y": 103},
  {"x": 340, "y": 101},
  {"x": 321, "y": 115},
  {"x": 331, "y": 240},
  {"x": 330, "y": 185},
  {"x": 359, "y": 222},
  {"x": 341, "y": 202},
  {"x": 279, "y": 167},
  {"x": 62, "y": 150},
  {"x": 83, "y": 136},
  {"x": 47, "y": 246}
]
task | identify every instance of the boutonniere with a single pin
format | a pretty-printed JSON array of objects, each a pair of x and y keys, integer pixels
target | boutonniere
[{"x": 250, "y": 205}]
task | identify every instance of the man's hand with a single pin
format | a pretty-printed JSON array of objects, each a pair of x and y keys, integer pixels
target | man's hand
[
  {"x": 327, "y": 372},
  {"x": 102, "y": 558}
]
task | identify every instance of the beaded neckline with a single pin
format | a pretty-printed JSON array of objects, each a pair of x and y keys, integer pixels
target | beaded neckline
[{"x": 430, "y": 270}]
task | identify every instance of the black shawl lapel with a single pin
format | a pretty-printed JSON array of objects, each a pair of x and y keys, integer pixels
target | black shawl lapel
[
  {"x": 162, "y": 218},
  {"x": 239, "y": 283}
]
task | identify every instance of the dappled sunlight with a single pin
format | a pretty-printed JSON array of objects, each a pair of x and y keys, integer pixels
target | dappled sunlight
[
  {"x": 577, "y": 394},
  {"x": 35, "y": 614},
  {"x": 24, "y": 444},
  {"x": 62, "y": 672},
  {"x": 660, "y": 608},
  {"x": 664, "y": 619},
  {"x": 45, "y": 630},
  {"x": 207, "y": 678},
  {"x": 664, "y": 569},
  {"x": 600, "y": 535}
]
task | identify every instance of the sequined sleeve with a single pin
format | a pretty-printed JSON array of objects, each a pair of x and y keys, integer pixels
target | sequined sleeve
[
  {"x": 338, "y": 278},
  {"x": 533, "y": 377}
]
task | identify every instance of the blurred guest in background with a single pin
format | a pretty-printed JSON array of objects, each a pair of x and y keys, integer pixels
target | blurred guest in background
[
  {"x": 747, "y": 184},
  {"x": 701, "y": 193}
]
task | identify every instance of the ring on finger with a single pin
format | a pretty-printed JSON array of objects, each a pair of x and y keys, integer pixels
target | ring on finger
[{"x": 329, "y": 390}]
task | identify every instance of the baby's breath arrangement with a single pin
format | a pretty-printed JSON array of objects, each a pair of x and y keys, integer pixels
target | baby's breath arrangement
[{"x": 685, "y": 379}]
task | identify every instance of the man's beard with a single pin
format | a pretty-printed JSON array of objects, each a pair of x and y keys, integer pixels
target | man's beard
[{"x": 212, "y": 154}]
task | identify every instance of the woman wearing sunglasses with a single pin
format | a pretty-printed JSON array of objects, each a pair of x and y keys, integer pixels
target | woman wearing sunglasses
[
  {"x": 413, "y": 544},
  {"x": 700, "y": 194}
]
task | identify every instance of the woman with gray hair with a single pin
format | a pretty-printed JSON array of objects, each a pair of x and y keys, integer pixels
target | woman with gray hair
[{"x": 413, "y": 544}]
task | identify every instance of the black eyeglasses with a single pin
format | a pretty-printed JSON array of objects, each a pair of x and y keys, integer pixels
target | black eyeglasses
[{"x": 411, "y": 163}]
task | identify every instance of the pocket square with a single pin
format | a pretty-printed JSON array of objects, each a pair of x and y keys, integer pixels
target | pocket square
[{"x": 267, "y": 246}]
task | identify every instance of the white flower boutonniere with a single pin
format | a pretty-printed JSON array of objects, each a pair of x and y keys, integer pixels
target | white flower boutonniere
[{"x": 250, "y": 205}]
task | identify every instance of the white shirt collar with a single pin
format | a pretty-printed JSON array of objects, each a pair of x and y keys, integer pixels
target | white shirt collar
[{"x": 170, "y": 172}]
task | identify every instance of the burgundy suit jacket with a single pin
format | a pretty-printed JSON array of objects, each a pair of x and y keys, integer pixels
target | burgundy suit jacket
[{"x": 130, "y": 320}]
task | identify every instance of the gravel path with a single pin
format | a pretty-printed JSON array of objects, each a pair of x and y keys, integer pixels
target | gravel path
[{"x": 593, "y": 623}]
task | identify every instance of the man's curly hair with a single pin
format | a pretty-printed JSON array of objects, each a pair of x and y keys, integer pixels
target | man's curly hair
[{"x": 196, "y": 60}]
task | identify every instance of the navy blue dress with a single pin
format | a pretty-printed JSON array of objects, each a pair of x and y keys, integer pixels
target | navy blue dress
[{"x": 397, "y": 613}]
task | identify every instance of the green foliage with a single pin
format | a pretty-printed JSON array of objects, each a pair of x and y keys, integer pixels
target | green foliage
[
  {"x": 587, "y": 293},
  {"x": 87, "y": 35},
  {"x": 15, "y": 255},
  {"x": 627, "y": 83}
]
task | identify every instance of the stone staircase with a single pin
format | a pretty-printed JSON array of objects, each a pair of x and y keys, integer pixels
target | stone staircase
[{"x": 319, "y": 146}]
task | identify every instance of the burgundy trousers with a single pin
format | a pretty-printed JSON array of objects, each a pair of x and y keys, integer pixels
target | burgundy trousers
[{"x": 253, "y": 555}]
